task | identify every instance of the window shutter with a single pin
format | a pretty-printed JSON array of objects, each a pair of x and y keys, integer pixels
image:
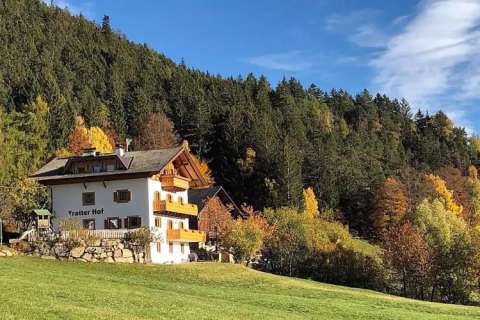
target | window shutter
[
  {"x": 105, "y": 224},
  {"x": 129, "y": 195},
  {"x": 125, "y": 223},
  {"x": 115, "y": 196}
]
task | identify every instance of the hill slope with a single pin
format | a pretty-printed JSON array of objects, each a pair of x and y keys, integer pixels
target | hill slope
[{"x": 40, "y": 289}]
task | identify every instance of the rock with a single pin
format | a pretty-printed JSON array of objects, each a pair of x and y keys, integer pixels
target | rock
[
  {"x": 3, "y": 254},
  {"x": 127, "y": 253},
  {"x": 9, "y": 253},
  {"x": 87, "y": 257},
  {"x": 109, "y": 260},
  {"x": 124, "y": 260},
  {"x": 117, "y": 253},
  {"x": 77, "y": 252}
]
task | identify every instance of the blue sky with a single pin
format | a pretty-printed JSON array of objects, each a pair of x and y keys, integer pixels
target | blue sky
[{"x": 427, "y": 51}]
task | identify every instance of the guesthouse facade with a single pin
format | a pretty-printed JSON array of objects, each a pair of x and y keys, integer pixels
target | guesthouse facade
[{"x": 128, "y": 190}]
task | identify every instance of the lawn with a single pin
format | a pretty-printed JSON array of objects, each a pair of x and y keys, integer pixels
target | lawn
[{"x": 33, "y": 288}]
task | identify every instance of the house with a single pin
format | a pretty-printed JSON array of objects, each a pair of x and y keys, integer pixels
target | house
[
  {"x": 128, "y": 190},
  {"x": 207, "y": 199}
]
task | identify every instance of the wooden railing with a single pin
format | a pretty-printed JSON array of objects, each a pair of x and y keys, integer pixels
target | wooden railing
[
  {"x": 176, "y": 207},
  {"x": 185, "y": 235},
  {"x": 174, "y": 183},
  {"x": 101, "y": 233}
]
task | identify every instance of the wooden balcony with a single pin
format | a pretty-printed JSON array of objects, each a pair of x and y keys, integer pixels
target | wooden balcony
[
  {"x": 175, "y": 207},
  {"x": 183, "y": 235},
  {"x": 174, "y": 183}
]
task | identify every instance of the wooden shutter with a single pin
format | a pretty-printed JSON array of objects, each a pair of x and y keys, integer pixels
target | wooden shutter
[
  {"x": 129, "y": 195},
  {"x": 115, "y": 196},
  {"x": 105, "y": 224}
]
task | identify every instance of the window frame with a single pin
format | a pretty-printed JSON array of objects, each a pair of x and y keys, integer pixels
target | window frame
[
  {"x": 158, "y": 222},
  {"x": 116, "y": 196},
  {"x": 170, "y": 247},
  {"x": 85, "y": 224},
  {"x": 84, "y": 195},
  {"x": 159, "y": 247},
  {"x": 128, "y": 226},
  {"x": 109, "y": 219}
]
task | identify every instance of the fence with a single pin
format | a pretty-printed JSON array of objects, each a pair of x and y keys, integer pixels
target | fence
[{"x": 101, "y": 233}]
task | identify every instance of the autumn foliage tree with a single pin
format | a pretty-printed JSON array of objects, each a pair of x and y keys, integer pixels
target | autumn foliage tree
[
  {"x": 216, "y": 220},
  {"x": 391, "y": 204},
  {"x": 410, "y": 258},
  {"x": 311, "y": 204},
  {"x": 158, "y": 132},
  {"x": 444, "y": 193},
  {"x": 81, "y": 138}
]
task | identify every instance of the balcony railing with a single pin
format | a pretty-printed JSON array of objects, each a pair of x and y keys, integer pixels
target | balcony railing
[
  {"x": 174, "y": 183},
  {"x": 184, "y": 235},
  {"x": 176, "y": 207}
]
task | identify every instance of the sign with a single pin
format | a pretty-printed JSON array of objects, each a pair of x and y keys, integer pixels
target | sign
[{"x": 93, "y": 212}]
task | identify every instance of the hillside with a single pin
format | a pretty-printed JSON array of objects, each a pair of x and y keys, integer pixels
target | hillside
[
  {"x": 33, "y": 288},
  {"x": 263, "y": 143}
]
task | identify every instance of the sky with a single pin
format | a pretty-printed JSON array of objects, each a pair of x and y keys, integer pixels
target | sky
[{"x": 426, "y": 51}]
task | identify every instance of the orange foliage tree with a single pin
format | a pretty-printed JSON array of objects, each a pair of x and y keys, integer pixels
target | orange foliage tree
[
  {"x": 158, "y": 132},
  {"x": 215, "y": 219},
  {"x": 391, "y": 204}
]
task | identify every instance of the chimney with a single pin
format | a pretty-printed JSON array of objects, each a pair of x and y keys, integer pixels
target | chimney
[
  {"x": 89, "y": 152},
  {"x": 119, "y": 150},
  {"x": 128, "y": 141}
]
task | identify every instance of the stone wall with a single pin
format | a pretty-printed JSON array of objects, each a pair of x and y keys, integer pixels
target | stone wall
[{"x": 110, "y": 251}]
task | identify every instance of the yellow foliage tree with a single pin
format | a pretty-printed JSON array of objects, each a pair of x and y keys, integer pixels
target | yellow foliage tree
[
  {"x": 204, "y": 169},
  {"x": 82, "y": 138},
  {"x": 446, "y": 195},
  {"x": 311, "y": 204},
  {"x": 100, "y": 140},
  {"x": 472, "y": 172}
]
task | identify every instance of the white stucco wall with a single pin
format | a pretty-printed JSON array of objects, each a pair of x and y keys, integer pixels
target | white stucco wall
[{"x": 67, "y": 198}]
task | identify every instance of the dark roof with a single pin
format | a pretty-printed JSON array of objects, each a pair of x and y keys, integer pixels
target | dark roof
[
  {"x": 200, "y": 197},
  {"x": 135, "y": 162}
]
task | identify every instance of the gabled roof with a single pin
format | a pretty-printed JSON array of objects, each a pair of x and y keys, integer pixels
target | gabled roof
[
  {"x": 137, "y": 163},
  {"x": 201, "y": 196}
]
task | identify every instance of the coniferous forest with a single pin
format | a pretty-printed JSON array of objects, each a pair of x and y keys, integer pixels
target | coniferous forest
[{"x": 371, "y": 161}]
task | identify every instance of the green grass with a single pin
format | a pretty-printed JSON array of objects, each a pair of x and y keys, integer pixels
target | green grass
[{"x": 33, "y": 288}]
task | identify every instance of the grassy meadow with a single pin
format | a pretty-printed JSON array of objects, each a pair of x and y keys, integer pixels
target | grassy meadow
[{"x": 34, "y": 288}]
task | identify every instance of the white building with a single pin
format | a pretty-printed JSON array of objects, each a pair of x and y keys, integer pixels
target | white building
[{"x": 128, "y": 190}]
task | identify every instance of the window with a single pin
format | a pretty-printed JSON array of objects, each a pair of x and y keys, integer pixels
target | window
[
  {"x": 170, "y": 247},
  {"x": 113, "y": 223},
  {"x": 97, "y": 167},
  {"x": 159, "y": 247},
  {"x": 122, "y": 196},
  {"x": 89, "y": 224},
  {"x": 156, "y": 196},
  {"x": 180, "y": 200},
  {"x": 158, "y": 222},
  {"x": 182, "y": 248},
  {"x": 169, "y": 198},
  {"x": 170, "y": 224},
  {"x": 133, "y": 222},
  {"x": 110, "y": 167},
  {"x": 88, "y": 198},
  {"x": 181, "y": 225}
]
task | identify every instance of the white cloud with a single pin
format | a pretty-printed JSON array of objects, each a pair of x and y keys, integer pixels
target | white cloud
[
  {"x": 358, "y": 26},
  {"x": 287, "y": 61},
  {"x": 435, "y": 58}
]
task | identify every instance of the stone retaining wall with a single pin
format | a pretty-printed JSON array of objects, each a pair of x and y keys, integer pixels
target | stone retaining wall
[{"x": 110, "y": 251}]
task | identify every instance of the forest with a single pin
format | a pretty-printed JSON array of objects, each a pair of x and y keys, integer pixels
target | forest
[{"x": 364, "y": 167}]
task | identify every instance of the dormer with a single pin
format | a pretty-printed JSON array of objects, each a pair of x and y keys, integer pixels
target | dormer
[{"x": 92, "y": 161}]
